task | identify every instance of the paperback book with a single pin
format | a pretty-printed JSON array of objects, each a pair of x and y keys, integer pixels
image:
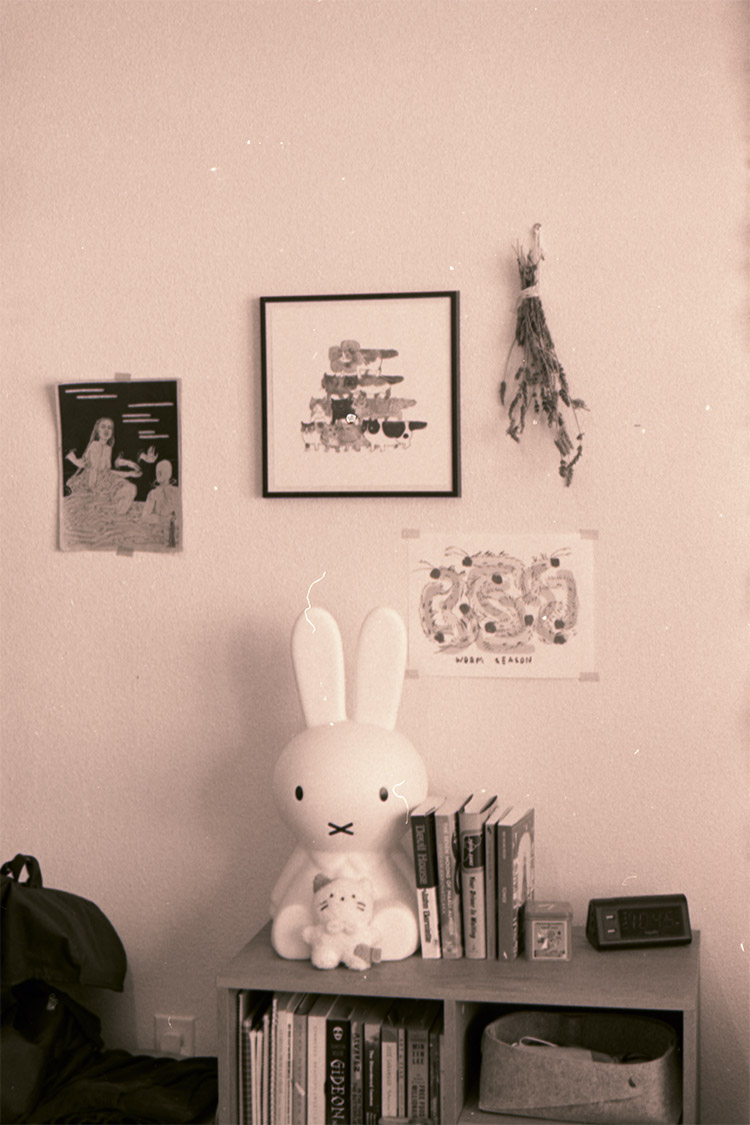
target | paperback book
[
  {"x": 425, "y": 868},
  {"x": 471, "y": 818}
]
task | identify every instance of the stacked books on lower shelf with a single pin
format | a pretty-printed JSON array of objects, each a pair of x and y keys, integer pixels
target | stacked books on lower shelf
[
  {"x": 309, "y": 1059},
  {"x": 474, "y": 870}
]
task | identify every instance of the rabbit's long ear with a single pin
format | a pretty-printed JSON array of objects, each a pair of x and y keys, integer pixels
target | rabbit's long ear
[
  {"x": 318, "y": 658},
  {"x": 381, "y": 659}
]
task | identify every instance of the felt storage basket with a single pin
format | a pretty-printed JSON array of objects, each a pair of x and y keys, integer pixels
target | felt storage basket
[{"x": 547, "y": 1082}]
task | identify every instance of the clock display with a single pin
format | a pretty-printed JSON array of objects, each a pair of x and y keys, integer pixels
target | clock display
[
  {"x": 624, "y": 923},
  {"x": 651, "y": 922}
]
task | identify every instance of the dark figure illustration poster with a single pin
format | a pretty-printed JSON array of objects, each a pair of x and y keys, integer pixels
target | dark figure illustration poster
[{"x": 119, "y": 459}]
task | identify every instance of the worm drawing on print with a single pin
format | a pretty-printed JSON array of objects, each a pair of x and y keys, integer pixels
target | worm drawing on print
[{"x": 497, "y": 602}]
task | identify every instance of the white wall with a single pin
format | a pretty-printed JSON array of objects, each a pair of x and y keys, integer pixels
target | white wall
[{"x": 167, "y": 163}]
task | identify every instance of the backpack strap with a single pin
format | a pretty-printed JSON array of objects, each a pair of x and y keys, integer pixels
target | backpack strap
[{"x": 14, "y": 869}]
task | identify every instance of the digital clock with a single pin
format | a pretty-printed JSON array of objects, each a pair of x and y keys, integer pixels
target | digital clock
[{"x": 630, "y": 922}]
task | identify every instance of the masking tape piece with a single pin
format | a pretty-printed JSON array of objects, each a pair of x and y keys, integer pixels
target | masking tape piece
[
  {"x": 589, "y": 677},
  {"x": 588, "y": 534},
  {"x": 410, "y": 533}
]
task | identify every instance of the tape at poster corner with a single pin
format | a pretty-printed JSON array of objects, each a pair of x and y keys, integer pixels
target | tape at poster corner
[
  {"x": 586, "y": 533},
  {"x": 122, "y": 376},
  {"x": 589, "y": 677},
  {"x": 411, "y": 673},
  {"x": 410, "y": 533},
  {"x": 126, "y": 552}
]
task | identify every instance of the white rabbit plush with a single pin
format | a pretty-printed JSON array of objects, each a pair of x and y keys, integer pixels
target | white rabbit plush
[{"x": 345, "y": 787}]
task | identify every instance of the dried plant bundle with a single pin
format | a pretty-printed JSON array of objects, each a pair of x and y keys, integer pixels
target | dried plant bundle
[{"x": 540, "y": 384}]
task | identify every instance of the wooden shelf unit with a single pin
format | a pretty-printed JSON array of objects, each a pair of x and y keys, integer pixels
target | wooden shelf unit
[{"x": 663, "y": 982}]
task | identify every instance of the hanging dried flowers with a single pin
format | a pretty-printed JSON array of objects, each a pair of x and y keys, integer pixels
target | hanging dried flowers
[{"x": 540, "y": 384}]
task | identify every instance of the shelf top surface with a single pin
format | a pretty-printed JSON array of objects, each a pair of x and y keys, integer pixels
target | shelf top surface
[{"x": 659, "y": 978}]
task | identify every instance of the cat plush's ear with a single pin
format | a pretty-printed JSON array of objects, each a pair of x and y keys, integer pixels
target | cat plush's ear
[{"x": 320, "y": 881}]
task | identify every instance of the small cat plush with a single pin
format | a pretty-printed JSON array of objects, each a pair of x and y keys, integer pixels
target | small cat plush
[{"x": 342, "y": 909}]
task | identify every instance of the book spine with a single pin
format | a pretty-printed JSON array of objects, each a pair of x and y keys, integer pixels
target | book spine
[
  {"x": 472, "y": 886},
  {"x": 316, "y": 1070},
  {"x": 267, "y": 1076},
  {"x": 389, "y": 1071},
  {"x": 299, "y": 1069},
  {"x": 504, "y": 845},
  {"x": 436, "y": 1032},
  {"x": 246, "y": 1091},
  {"x": 490, "y": 889},
  {"x": 401, "y": 1070},
  {"x": 283, "y": 1060},
  {"x": 373, "y": 1095},
  {"x": 449, "y": 885},
  {"x": 338, "y": 1062},
  {"x": 417, "y": 1073},
  {"x": 425, "y": 867},
  {"x": 357, "y": 1070}
]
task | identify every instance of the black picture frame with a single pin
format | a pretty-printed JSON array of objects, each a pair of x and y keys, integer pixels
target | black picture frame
[{"x": 360, "y": 394}]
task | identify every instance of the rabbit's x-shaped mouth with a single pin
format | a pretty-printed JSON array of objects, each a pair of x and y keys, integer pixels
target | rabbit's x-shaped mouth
[{"x": 345, "y": 828}]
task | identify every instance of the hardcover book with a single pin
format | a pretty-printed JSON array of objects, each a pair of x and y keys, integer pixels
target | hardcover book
[
  {"x": 437, "y": 1065},
  {"x": 372, "y": 1062},
  {"x": 338, "y": 1064},
  {"x": 357, "y": 1067},
  {"x": 418, "y": 1020},
  {"x": 471, "y": 818},
  {"x": 515, "y": 878}
]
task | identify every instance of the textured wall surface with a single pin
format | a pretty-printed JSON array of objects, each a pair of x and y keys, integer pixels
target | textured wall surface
[{"x": 165, "y": 165}]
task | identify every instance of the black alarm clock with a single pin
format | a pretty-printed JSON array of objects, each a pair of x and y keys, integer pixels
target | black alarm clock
[{"x": 631, "y": 922}]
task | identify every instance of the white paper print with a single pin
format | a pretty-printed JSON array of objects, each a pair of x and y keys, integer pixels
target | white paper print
[
  {"x": 119, "y": 459},
  {"x": 505, "y": 606}
]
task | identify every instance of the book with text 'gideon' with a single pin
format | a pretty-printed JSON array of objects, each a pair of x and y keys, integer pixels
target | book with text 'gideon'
[
  {"x": 425, "y": 870},
  {"x": 515, "y": 878},
  {"x": 471, "y": 818},
  {"x": 449, "y": 877},
  {"x": 338, "y": 1063}
]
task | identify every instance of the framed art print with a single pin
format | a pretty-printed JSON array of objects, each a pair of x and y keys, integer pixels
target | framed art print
[{"x": 360, "y": 395}]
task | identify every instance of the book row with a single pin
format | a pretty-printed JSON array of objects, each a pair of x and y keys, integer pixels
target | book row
[
  {"x": 474, "y": 871},
  {"x": 309, "y": 1059}
]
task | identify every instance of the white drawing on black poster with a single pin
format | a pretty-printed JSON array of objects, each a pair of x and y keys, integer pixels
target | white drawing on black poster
[
  {"x": 120, "y": 466},
  {"x": 501, "y": 606},
  {"x": 358, "y": 410}
]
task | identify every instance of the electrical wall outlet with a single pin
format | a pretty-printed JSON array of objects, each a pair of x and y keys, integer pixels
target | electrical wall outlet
[{"x": 175, "y": 1035}]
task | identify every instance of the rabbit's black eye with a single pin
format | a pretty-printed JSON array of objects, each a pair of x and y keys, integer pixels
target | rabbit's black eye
[
  {"x": 298, "y": 793},
  {"x": 384, "y": 794}
]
